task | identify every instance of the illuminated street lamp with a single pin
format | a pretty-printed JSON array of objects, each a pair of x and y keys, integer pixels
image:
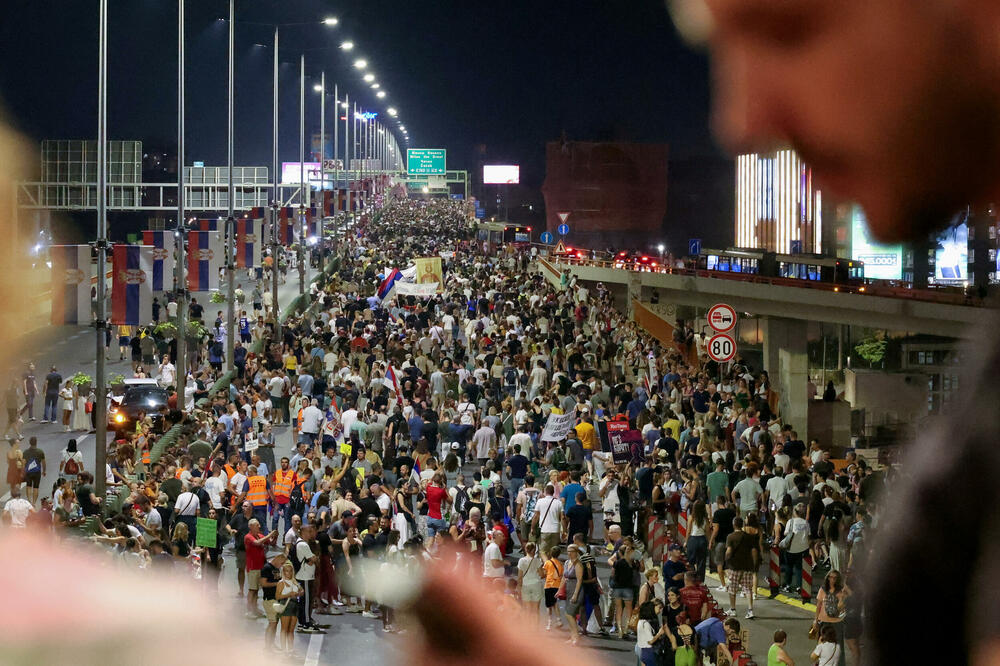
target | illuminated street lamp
[
  {"x": 332, "y": 20},
  {"x": 347, "y": 46},
  {"x": 369, "y": 77},
  {"x": 391, "y": 111},
  {"x": 360, "y": 63},
  {"x": 380, "y": 94}
]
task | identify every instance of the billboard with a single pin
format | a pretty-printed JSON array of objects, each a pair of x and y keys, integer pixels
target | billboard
[
  {"x": 501, "y": 174},
  {"x": 426, "y": 161},
  {"x": 291, "y": 173},
  {"x": 951, "y": 258},
  {"x": 882, "y": 262}
]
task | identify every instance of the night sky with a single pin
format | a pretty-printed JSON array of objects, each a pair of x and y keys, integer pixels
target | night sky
[{"x": 508, "y": 75}]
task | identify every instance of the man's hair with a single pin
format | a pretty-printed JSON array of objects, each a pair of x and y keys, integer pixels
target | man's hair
[{"x": 780, "y": 636}]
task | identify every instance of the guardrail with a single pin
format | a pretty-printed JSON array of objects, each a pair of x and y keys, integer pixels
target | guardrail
[{"x": 867, "y": 289}]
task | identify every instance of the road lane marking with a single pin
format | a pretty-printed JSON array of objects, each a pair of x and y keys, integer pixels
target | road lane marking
[{"x": 312, "y": 653}]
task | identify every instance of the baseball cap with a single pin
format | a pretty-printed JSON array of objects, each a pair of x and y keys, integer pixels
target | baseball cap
[
  {"x": 455, "y": 446},
  {"x": 347, "y": 514},
  {"x": 674, "y": 546}
]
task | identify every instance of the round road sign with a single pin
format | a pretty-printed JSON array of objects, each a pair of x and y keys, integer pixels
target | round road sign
[
  {"x": 721, "y": 348},
  {"x": 546, "y": 237},
  {"x": 563, "y": 229},
  {"x": 722, "y": 318}
]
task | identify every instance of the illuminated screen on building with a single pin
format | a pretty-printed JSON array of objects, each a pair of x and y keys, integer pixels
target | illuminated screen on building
[
  {"x": 501, "y": 174},
  {"x": 882, "y": 262},
  {"x": 951, "y": 259}
]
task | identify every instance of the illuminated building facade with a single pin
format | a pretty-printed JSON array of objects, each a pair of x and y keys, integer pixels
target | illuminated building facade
[{"x": 777, "y": 208}]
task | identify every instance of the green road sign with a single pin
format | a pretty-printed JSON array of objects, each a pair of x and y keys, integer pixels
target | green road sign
[{"x": 426, "y": 161}]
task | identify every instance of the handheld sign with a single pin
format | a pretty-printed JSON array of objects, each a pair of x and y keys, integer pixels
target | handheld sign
[{"x": 205, "y": 533}]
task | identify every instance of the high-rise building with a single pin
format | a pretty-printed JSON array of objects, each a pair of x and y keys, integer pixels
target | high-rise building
[{"x": 777, "y": 207}]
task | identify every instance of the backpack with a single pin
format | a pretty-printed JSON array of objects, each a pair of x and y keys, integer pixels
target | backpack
[
  {"x": 462, "y": 501},
  {"x": 529, "y": 505},
  {"x": 296, "y": 500},
  {"x": 34, "y": 466},
  {"x": 293, "y": 554},
  {"x": 511, "y": 377},
  {"x": 71, "y": 467}
]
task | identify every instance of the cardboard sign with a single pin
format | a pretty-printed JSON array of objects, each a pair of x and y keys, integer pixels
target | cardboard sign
[
  {"x": 558, "y": 427},
  {"x": 205, "y": 533}
]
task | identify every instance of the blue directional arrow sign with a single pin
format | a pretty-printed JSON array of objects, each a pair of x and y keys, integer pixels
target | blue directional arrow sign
[
  {"x": 547, "y": 237},
  {"x": 563, "y": 229},
  {"x": 694, "y": 247}
]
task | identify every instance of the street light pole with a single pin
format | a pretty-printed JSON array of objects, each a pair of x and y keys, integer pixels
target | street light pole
[
  {"x": 336, "y": 150},
  {"x": 100, "y": 323},
  {"x": 347, "y": 157},
  {"x": 276, "y": 201},
  {"x": 302, "y": 173},
  {"x": 322, "y": 161},
  {"x": 231, "y": 220},
  {"x": 181, "y": 270}
]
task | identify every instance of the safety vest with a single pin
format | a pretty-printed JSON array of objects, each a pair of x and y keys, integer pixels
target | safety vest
[
  {"x": 283, "y": 483},
  {"x": 230, "y": 471},
  {"x": 257, "y": 495},
  {"x": 177, "y": 474},
  {"x": 145, "y": 456},
  {"x": 298, "y": 419}
]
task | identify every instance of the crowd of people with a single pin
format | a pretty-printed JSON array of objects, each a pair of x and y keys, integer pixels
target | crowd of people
[{"x": 414, "y": 434}]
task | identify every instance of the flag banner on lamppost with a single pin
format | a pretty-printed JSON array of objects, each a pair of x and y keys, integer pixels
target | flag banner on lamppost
[
  {"x": 162, "y": 243},
  {"x": 249, "y": 240},
  {"x": 131, "y": 284},
  {"x": 208, "y": 225},
  {"x": 71, "y": 276},
  {"x": 286, "y": 225},
  {"x": 313, "y": 219},
  {"x": 205, "y": 257},
  {"x": 260, "y": 213}
]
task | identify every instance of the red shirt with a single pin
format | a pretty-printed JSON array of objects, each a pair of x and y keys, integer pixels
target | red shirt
[
  {"x": 435, "y": 496},
  {"x": 256, "y": 555},
  {"x": 693, "y": 598}
]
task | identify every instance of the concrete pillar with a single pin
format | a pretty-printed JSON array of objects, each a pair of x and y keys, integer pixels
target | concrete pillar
[
  {"x": 634, "y": 293},
  {"x": 787, "y": 364}
]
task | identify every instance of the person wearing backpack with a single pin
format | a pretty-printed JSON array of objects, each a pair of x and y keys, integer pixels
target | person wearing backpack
[
  {"x": 525, "y": 503},
  {"x": 72, "y": 460},
  {"x": 794, "y": 544},
  {"x": 34, "y": 468}
]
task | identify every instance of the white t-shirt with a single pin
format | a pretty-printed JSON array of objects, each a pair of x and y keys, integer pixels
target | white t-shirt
[
  {"x": 643, "y": 634},
  {"x": 530, "y": 567},
  {"x": 549, "y": 519},
  {"x": 187, "y": 504},
  {"x": 18, "y": 509},
  {"x": 777, "y": 488},
  {"x": 312, "y": 419},
  {"x": 384, "y": 502},
  {"x": 828, "y": 653},
  {"x": 306, "y": 571},
  {"x": 167, "y": 374},
  {"x": 491, "y": 553},
  {"x": 214, "y": 486},
  {"x": 236, "y": 483}
]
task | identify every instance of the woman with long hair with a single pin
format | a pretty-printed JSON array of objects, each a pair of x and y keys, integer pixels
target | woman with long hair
[
  {"x": 814, "y": 514},
  {"x": 648, "y": 632},
  {"x": 530, "y": 580},
  {"x": 573, "y": 583},
  {"x": 831, "y": 604},
  {"x": 697, "y": 539},
  {"x": 288, "y": 590}
]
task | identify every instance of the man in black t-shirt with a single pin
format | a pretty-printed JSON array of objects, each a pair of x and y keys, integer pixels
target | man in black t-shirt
[
  {"x": 270, "y": 574},
  {"x": 239, "y": 527},
  {"x": 579, "y": 518},
  {"x": 722, "y": 527}
]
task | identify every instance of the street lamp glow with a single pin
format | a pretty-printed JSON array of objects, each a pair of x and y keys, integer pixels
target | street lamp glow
[
  {"x": 391, "y": 111},
  {"x": 360, "y": 64},
  {"x": 376, "y": 86},
  {"x": 347, "y": 46},
  {"x": 318, "y": 88},
  {"x": 426, "y": 189},
  {"x": 369, "y": 77},
  {"x": 661, "y": 247},
  {"x": 331, "y": 20},
  {"x": 343, "y": 104},
  {"x": 380, "y": 94}
]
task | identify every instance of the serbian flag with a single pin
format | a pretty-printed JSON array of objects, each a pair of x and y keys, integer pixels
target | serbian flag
[
  {"x": 71, "y": 274},
  {"x": 208, "y": 225},
  {"x": 162, "y": 243},
  {"x": 388, "y": 283},
  {"x": 391, "y": 376},
  {"x": 205, "y": 255},
  {"x": 286, "y": 223},
  {"x": 314, "y": 220},
  {"x": 132, "y": 285},
  {"x": 333, "y": 427},
  {"x": 248, "y": 243}
]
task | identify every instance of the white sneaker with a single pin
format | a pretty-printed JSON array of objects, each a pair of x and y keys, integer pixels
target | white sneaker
[
  {"x": 749, "y": 614},
  {"x": 548, "y": 625},
  {"x": 338, "y": 602},
  {"x": 369, "y": 614},
  {"x": 721, "y": 588},
  {"x": 731, "y": 612}
]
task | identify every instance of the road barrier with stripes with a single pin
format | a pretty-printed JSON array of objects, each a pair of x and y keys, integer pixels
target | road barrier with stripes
[
  {"x": 774, "y": 569},
  {"x": 807, "y": 576}
]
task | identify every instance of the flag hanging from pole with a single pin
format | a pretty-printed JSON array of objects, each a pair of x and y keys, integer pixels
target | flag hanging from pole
[
  {"x": 132, "y": 284},
  {"x": 391, "y": 374},
  {"x": 162, "y": 243},
  {"x": 205, "y": 256},
  {"x": 71, "y": 282},
  {"x": 249, "y": 241},
  {"x": 387, "y": 284},
  {"x": 208, "y": 225},
  {"x": 285, "y": 225}
]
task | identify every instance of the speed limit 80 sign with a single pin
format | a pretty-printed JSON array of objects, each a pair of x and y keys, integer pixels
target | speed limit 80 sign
[{"x": 721, "y": 348}]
